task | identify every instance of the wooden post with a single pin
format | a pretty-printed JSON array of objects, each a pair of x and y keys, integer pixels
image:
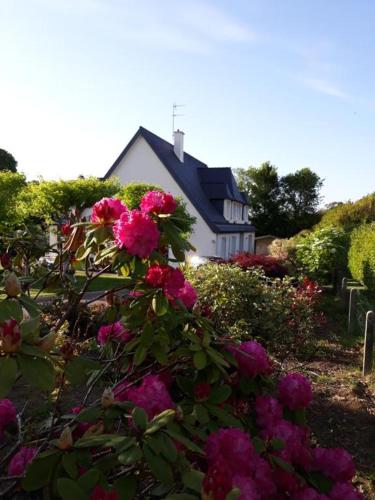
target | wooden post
[
  {"x": 352, "y": 313},
  {"x": 344, "y": 287},
  {"x": 369, "y": 344}
]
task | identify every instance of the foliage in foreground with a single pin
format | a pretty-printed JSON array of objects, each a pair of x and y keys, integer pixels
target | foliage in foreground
[
  {"x": 246, "y": 304},
  {"x": 185, "y": 415},
  {"x": 361, "y": 257}
]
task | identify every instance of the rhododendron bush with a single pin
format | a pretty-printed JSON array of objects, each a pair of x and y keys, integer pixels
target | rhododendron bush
[{"x": 168, "y": 408}]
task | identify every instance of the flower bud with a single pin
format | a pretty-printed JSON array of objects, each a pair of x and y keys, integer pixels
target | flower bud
[
  {"x": 12, "y": 285},
  {"x": 10, "y": 336},
  {"x": 65, "y": 440},
  {"x": 5, "y": 260},
  {"x": 48, "y": 342},
  {"x": 108, "y": 398}
]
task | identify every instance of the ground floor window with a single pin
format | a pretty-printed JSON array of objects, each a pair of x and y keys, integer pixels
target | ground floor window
[{"x": 230, "y": 244}]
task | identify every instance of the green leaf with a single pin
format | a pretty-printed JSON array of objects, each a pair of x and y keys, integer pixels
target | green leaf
[
  {"x": 182, "y": 496},
  {"x": 130, "y": 456},
  {"x": 89, "y": 479},
  {"x": 39, "y": 472},
  {"x": 79, "y": 368},
  {"x": 159, "y": 421},
  {"x": 277, "y": 444},
  {"x": 70, "y": 465},
  {"x": 184, "y": 440},
  {"x": 89, "y": 415},
  {"x": 83, "y": 252},
  {"x": 248, "y": 385},
  {"x": 31, "y": 350},
  {"x": 232, "y": 495},
  {"x": 10, "y": 308},
  {"x": 320, "y": 482},
  {"x": 126, "y": 487},
  {"x": 220, "y": 394},
  {"x": 282, "y": 464},
  {"x": 140, "y": 355},
  {"x": 147, "y": 335},
  {"x": 140, "y": 418},
  {"x": 159, "y": 353},
  {"x": 159, "y": 467},
  {"x": 224, "y": 417},
  {"x": 202, "y": 414},
  {"x": 167, "y": 447},
  {"x": 30, "y": 327},
  {"x": 160, "y": 304},
  {"x": 259, "y": 445},
  {"x": 193, "y": 480},
  {"x": 39, "y": 372},
  {"x": 200, "y": 360},
  {"x": 8, "y": 374},
  {"x": 30, "y": 305},
  {"x": 69, "y": 489},
  {"x": 100, "y": 440}
]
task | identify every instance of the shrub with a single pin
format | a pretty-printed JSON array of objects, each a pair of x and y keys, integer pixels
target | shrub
[
  {"x": 362, "y": 255},
  {"x": 349, "y": 215},
  {"x": 183, "y": 413},
  {"x": 322, "y": 251},
  {"x": 271, "y": 266},
  {"x": 246, "y": 303}
]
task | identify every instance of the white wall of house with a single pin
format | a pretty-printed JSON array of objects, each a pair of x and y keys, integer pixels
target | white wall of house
[{"x": 141, "y": 164}]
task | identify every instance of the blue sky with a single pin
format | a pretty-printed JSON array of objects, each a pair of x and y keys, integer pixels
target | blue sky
[{"x": 287, "y": 81}]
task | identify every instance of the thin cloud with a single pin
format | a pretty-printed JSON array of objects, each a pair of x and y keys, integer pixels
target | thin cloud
[{"x": 325, "y": 87}]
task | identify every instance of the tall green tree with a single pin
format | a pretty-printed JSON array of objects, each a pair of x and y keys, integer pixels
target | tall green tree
[
  {"x": 300, "y": 199},
  {"x": 281, "y": 206},
  {"x": 11, "y": 185},
  {"x": 262, "y": 185},
  {"x": 7, "y": 161}
]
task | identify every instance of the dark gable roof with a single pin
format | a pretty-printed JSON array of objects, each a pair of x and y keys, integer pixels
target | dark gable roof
[{"x": 199, "y": 183}]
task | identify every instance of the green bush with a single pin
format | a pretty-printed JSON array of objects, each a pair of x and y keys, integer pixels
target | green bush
[
  {"x": 322, "y": 251},
  {"x": 247, "y": 304},
  {"x": 349, "y": 215},
  {"x": 362, "y": 255}
]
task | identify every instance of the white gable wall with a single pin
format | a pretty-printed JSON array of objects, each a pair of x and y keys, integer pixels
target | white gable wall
[{"x": 141, "y": 164}]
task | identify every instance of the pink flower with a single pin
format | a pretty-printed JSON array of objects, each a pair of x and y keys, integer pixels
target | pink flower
[
  {"x": 100, "y": 493},
  {"x": 187, "y": 295},
  {"x": 247, "y": 487},
  {"x": 157, "y": 275},
  {"x": 262, "y": 476},
  {"x": 286, "y": 482},
  {"x": 295, "y": 391},
  {"x": 309, "y": 494},
  {"x": 335, "y": 463},
  {"x": 296, "y": 448},
  {"x": 107, "y": 211},
  {"x": 10, "y": 336},
  {"x": 20, "y": 461},
  {"x": 217, "y": 483},
  {"x": 114, "y": 331},
  {"x": 152, "y": 395},
  {"x": 269, "y": 411},
  {"x": 174, "y": 283},
  {"x": 158, "y": 202},
  {"x": 252, "y": 358},
  {"x": 202, "y": 391},
  {"x": 341, "y": 491},
  {"x": 232, "y": 445},
  {"x": 137, "y": 233},
  {"x": 66, "y": 229}
]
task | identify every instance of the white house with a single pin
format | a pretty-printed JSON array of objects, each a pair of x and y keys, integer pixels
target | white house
[{"x": 211, "y": 194}]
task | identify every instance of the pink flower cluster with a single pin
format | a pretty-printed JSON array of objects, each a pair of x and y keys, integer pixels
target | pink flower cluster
[
  {"x": 8, "y": 414},
  {"x": 252, "y": 358},
  {"x": 158, "y": 202},
  {"x": 107, "y": 211},
  {"x": 114, "y": 331},
  {"x": 335, "y": 463},
  {"x": 152, "y": 395},
  {"x": 233, "y": 463},
  {"x": 295, "y": 391},
  {"x": 20, "y": 461},
  {"x": 100, "y": 493},
  {"x": 137, "y": 233},
  {"x": 173, "y": 284}
]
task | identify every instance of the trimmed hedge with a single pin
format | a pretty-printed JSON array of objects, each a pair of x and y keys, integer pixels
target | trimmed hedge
[
  {"x": 362, "y": 255},
  {"x": 349, "y": 215}
]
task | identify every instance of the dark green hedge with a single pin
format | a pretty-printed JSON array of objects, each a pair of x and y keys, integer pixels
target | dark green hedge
[{"x": 362, "y": 255}]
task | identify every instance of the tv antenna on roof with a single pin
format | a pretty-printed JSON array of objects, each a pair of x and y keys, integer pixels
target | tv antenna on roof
[{"x": 174, "y": 113}]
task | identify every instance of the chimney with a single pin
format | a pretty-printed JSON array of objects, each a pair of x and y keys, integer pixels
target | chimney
[{"x": 179, "y": 144}]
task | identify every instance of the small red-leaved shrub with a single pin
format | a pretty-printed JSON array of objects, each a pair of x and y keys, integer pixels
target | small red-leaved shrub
[{"x": 272, "y": 267}]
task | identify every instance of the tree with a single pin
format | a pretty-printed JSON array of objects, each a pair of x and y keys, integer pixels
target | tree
[
  {"x": 281, "y": 206},
  {"x": 11, "y": 185},
  {"x": 263, "y": 188},
  {"x": 300, "y": 199},
  {"x": 7, "y": 161},
  {"x": 54, "y": 200}
]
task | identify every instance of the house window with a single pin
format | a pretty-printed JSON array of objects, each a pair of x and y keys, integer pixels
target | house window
[
  {"x": 227, "y": 209},
  {"x": 246, "y": 213},
  {"x": 233, "y": 245},
  {"x": 223, "y": 247}
]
